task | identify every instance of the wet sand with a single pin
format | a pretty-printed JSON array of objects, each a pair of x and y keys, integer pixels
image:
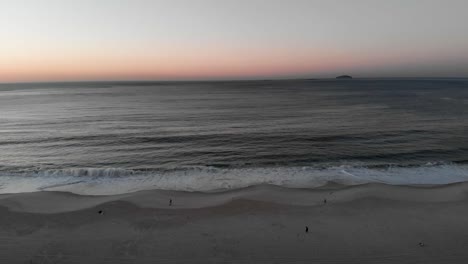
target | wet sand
[{"x": 265, "y": 224}]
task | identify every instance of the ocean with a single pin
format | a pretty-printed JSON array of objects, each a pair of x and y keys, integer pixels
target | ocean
[{"x": 118, "y": 137}]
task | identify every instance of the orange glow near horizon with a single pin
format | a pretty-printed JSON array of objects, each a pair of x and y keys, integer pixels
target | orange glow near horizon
[
  {"x": 171, "y": 63},
  {"x": 179, "y": 63}
]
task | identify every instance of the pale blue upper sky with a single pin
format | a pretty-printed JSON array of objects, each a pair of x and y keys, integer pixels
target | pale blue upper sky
[{"x": 171, "y": 39}]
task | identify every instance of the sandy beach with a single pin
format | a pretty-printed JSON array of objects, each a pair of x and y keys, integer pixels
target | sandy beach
[{"x": 265, "y": 224}]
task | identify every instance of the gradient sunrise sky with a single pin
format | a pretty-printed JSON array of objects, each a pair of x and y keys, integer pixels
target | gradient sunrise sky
[{"x": 63, "y": 40}]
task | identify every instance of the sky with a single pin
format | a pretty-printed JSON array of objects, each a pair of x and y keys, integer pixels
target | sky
[{"x": 64, "y": 40}]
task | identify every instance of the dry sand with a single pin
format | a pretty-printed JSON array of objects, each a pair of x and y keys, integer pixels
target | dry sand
[{"x": 265, "y": 224}]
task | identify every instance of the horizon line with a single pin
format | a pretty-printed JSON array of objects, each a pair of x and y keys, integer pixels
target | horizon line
[{"x": 222, "y": 80}]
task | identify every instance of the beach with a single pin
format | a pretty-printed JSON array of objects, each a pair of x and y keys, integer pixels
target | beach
[{"x": 371, "y": 223}]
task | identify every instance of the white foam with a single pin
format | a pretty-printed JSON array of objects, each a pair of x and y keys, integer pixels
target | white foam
[{"x": 91, "y": 181}]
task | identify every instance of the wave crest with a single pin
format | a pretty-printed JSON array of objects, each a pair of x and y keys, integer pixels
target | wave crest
[
  {"x": 92, "y": 172},
  {"x": 107, "y": 181}
]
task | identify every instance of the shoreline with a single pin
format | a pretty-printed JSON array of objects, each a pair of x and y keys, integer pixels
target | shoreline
[
  {"x": 50, "y": 202},
  {"x": 370, "y": 223}
]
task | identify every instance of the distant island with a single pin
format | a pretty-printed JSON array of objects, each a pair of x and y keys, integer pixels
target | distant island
[{"x": 344, "y": 77}]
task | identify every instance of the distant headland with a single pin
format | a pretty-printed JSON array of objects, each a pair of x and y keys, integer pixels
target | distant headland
[{"x": 344, "y": 77}]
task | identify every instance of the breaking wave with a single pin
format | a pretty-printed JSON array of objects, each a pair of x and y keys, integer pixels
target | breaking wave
[{"x": 110, "y": 181}]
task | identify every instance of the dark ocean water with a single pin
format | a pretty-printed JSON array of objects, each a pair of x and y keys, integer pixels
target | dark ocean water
[{"x": 105, "y": 138}]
